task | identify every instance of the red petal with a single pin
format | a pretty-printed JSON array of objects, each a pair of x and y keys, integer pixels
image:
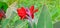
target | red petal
[
  {"x": 22, "y": 17},
  {"x": 31, "y": 9},
  {"x": 32, "y": 16},
  {"x": 35, "y": 10},
  {"x": 21, "y": 12},
  {"x": 21, "y": 9},
  {"x": 33, "y": 13}
]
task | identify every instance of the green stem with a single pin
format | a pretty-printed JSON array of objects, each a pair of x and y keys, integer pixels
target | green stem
[
  {"x": 0, "y": 23},
  {"x": 30, "y": 22}
]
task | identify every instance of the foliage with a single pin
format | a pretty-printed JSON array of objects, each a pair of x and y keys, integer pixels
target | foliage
[{"x": 42, "y": 18}]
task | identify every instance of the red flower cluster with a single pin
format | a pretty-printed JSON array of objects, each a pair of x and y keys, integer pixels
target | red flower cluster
[
  {"x": 1, "y": 14},
  {"x": 23, "y": 13}
]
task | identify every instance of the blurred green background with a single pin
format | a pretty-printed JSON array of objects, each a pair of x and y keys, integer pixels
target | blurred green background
[{"x": 13, "y": 20}]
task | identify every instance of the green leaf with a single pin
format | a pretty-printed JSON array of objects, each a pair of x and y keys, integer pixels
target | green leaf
[
  {"x": 29, "y": 25},
  {"x": 5, "y": 23},
  {"x": 3, "y": 6},
  {"x": 20, "y": 24},
  {"x": 56, "y": 25},
  {"x": 44, "y": 20},
  {"x": 34, "y": 25}
]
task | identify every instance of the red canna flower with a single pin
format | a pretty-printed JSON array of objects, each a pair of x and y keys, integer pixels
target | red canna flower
[
  {"x": 2, "y": 14},
  {"x": 21, "y": 12},
  {"x": 32, "y": 11},
  {"x": 24, "y": 12}
]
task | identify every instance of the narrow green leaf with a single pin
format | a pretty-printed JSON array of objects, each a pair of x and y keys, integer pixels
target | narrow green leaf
[
  {"x": 44, "y": 20},
  {"x": 5, "y": 23},
  {"x": 20, "y": 24},
  {"x": 34, "y": 25},
  {"x": 56, "y": 25},
  {"x": 29, "y": 25}
]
